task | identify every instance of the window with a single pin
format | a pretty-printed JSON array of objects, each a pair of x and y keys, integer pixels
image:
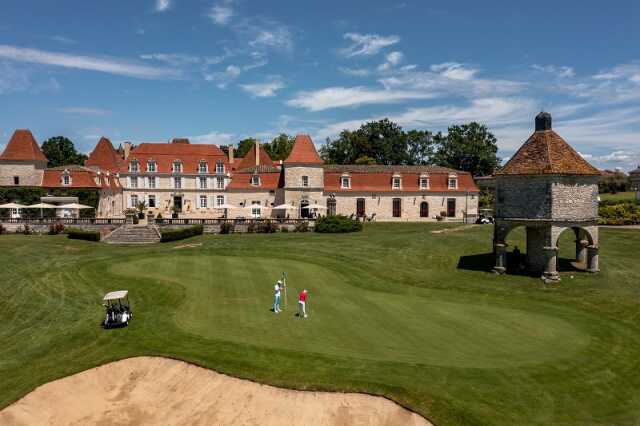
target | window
[
  {"x": 203, "y": 182},
  {"x": 151, "y": 166},
  {"x": 305, "y": 181},
  {"x": 360, "y": 211},
  {"x": 177, "y": 167},
  {"x": 345, "y": 182},
  {"x": 451, "y": 207},
  {"x": 255, "y": 180},
  {"x": 424, "y": 209},
  {"x": 396, "y": 183},
  {"x": 219, "y": 167},
  {"x": 202, "y": 167},
  {"x": 66, "y": 180},
  {"x": 219, "y": 200},
  {"x": 424, "y": 182},
  {"x": 133, "y": 167},
  {"x": 453, "y": 182},
  {"x": 397, "y": 207},
  {"x": 255, "y": 209},
  {"x": 133, "y": 182},
  {"x": 134, "y": 200},
  {"x": 16, "y": 180},
  {"x": 219, "y": 183},
  {"x": 152, "y": 201},
  {"x": 331, "y": 206},
  {"x": 203, "y": 201},
  {"x": 151, "y": 181},
  {"x": 177, "y": 182}
]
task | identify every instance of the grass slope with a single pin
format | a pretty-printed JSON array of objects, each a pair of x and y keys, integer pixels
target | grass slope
[{"x": 395, "y": 310}]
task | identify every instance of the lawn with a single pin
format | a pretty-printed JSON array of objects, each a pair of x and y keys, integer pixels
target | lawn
[
  {"x": 395, "y": 310},
  {"x": 619, "y": 196}
]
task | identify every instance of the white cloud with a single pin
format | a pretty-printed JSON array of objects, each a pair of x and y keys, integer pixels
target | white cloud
[
  {"x": 106, "y": 65},
  {"x": 454, "y": 71},
  {"x": 392, "y": 59},
  {"x": 214, "y": 137},
  {"x": 162, "y": 5},
  {"x": 367, "y": 44},
  {"x": 83, "y": 111},
  {"x": 264, "y": 90},
  {"x": 337, "y": 97},
  {"x": 64, "y": 40},
  {"x": 224, "y": 78},
  {"x": 221, "y": 13},
  {"x": 274, "y": 38},
  {"x": 173, "y": 59},
  {"x": 560, "y": 72},
  {"x": 355, "y": 72}
]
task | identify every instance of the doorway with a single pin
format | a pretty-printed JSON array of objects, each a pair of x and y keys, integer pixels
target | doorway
[
  {"x": 360, "y": 210},
  {"x": 424, "y": 209},
  {"x": 304, "y": 212},
  {"x": 177, "y": 204}
]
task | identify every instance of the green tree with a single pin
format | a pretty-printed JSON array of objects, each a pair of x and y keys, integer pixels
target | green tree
[
  {"x": 60, "y": 151},
  {"x": 469, "y": 147},
  {"x": 244, "y": 146},
  {"x": 420, "y": 147},
  {"x": 280, "y": 147}
]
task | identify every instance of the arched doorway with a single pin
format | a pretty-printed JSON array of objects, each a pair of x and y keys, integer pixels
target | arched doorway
[
  {"x": 331, "y": 206},
  {"x": 304, "y": 212},
  {"x": 424, "y": 209},
  {"x": 576, "y": 248}
]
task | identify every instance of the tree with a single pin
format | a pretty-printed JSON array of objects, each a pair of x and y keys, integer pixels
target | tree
[
  {"x": 280, "y": 147},
  {"x": 420, "y": 147},
  {"x": 60, "y": 151},
  {"x": 469, "y": 147},
  {"x": 244, "y": 146}
]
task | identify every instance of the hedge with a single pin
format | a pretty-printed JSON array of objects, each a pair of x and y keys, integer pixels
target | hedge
[
  {"x": 620, "y": 213},
  {"x": 336, "y": 224},
  {"x": 180, "y": 234},
  {"x": 80, "y": 234}
]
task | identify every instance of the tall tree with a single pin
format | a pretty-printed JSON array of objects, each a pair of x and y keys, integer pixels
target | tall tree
[
  {"x": 60, "y": 151},
  {"x": 420, "y": 147},
  {"x": 244, "y": 146},
  {"x": 280, "y": 147},
  {"x": 469, "y": 147}
]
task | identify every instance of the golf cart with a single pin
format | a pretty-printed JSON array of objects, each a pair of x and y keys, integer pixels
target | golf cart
[{"x": 118, "y": 309}]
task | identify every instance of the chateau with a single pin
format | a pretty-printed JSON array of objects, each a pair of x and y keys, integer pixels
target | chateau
[{"x": 202, "y": 181}]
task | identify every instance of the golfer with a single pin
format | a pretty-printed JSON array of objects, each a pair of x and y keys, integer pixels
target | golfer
[
  {"x": 276, "y": 297},
  {"x": 302, "y": 301}
]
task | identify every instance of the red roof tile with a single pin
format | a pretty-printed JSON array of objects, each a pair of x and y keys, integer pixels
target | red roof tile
[
  {"x": 104, "y": 156},
  {"x": 242, "y": 180},
  {"x": 249, "y": 159},
  {"x": 23, "y": 147},
  {"x": 303, "y": 152},
  {"x": 165, "y": 154}
]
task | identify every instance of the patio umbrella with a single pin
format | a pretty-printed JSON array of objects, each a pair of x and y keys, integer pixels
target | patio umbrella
[
  {"x": 315, "y": 206},
  {"x": 227, "y": 206},
  {"x": 12, "y": 206},
  {"x": 74, "y": 206},
  {"x": 42, "y": 206},
  {"x": 285, "y": 207}
]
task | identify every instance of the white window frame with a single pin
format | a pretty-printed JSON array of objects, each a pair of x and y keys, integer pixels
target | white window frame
[
  {"x": 203, "y": 202},
  {"x": 219, "y": 182},
  {"x": 133, "y": 197},
  {"x": 134, "y": 166},
  {"x": 396, "y": 182},
  {"x": 344, "y": 179},
  {"x": 305, "y": 181},
  {"x": 177, "y": 182},
  {"x": 133, "y": 182},
  {"x": 219, "y": 200},
  {"x": 202, "y": 182},
  {"x": 424, "y": 182},
  {"x": 205, "y": 169},
  {"x": 177, "y": 167},
  {"x": 152, "y": 166},
  {"x": 256, "y": 209},
  {"x": 151, "y": 182},
  {"x": 66, "y": 180},
  {"x": 255, "y": 180},
  {"x": 219, "y": 167},
  {"x": 453, "y": 179}
]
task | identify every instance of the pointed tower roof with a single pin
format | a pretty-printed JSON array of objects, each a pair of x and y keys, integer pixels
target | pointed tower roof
[
  {"x": 23, "y": 147},
  {"x": 546, "y": 153},
  {"x": 249, "y": 159},
  {"x": 104, "y": 156},
  {"x": 303, "y": 152}
]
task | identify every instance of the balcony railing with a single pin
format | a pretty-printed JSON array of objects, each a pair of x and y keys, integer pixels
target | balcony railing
[
  {"x": 235, "y": 221},
  {"x": 66, "y": 221}
]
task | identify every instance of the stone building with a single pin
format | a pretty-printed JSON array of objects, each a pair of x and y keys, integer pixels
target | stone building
[
  {"x": 22, "y": 163},
  {"x": 547, "y": 187},
  {"x": 634, "y": 178}
]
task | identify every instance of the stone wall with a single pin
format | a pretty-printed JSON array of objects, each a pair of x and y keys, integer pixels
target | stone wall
[
  {"x": 523, "y": 197},
  {"x": 293, "y": 177},
  {"x": 44, "y": 228},
  {"x": 30, "y": 174},
  {"x": 574, "y": 198}
]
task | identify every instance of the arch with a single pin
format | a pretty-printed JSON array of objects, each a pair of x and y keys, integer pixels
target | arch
[{"x": 424, "y": 209}]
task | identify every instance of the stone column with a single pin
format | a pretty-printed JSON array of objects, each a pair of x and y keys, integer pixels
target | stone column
[
  {"x": 550, "y": 273},
  {"x": 129, "y": 218},
  {"x": 592, "y": 259},
  {"x": 581, "y": 250},
  {"x": 501, "y": 258}
]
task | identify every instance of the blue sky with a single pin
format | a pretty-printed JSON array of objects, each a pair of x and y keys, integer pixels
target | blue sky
[{"x": 219, "y": 71}]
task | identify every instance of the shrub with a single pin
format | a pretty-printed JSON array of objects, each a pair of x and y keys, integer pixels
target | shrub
[
  {"x": 56, "y": 228},
  {"x": 2, "y": 230},
  {"x": 337, "y": 224},
  {"x": 284, "y": 229},
  {"x": 267, "y": 227},
  {"x": 301, "y": 227},
  {"x": 81, "y": 234},
  {"x": 251, "y": 227},
  {"x": 27, "y": 230},
  {"x": 620, "y": 213},
  {"x": 227, "y": 228},
  {"x": 180, "y": 234},
  {"x": 159, "y": 216}
]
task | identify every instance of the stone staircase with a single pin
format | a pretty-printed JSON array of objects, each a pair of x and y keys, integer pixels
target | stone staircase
[{"x": 133, "y": 234}]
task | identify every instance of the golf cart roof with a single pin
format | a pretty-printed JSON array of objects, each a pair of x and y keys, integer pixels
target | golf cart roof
[{"x": 114, "y": 295}]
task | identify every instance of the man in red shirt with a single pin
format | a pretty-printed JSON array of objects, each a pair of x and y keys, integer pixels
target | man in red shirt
[{"x": 302, "y": 301}]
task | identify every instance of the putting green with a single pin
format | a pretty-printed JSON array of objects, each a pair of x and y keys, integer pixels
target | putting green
[{"x": 229, "y": 298}]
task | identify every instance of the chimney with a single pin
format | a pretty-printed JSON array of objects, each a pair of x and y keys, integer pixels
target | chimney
[
  {"x": 127, "y": 149},
  {"x": 543, "y": 121},
  {"x": 257, "y": 153},
  {"x": 231, "y": 154}
]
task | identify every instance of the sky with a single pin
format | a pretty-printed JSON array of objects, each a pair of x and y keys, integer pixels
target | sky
[{"x": 218, "y": 71}]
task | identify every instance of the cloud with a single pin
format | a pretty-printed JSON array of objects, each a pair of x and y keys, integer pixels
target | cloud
[
  {"x": 454, "y": 71},
  {"x": 221, "y": 13},
  {"x": 264, "y": 90},
  {"x": 64, "y": 40},
  {"x": 275, "y": 38},
  {"x": 162, "y": 5},
  {"x": 367, "y": 44},
  {"x": 392, "y": 59},
  {"x": 83, "y": 111},
  {"x": 106, "y": 65},
  {"x": 214, "y": 137},
  {"x": 620, "y": 83},
  {"x": 560, "y": 72},
  {"x": 173, "y": 59},
  {"x": 225, "y": 77},
  {"x": 355, "y": 72},
  {"x": 337, "y": 97}
]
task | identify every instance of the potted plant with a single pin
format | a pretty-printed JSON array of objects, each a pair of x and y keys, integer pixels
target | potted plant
[
  {"x": 174, "y": 212},
  {"x": 140, "y": 207}
]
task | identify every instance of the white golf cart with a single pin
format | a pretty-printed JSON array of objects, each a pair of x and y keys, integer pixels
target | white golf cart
[{"x": 118, "y": 309}]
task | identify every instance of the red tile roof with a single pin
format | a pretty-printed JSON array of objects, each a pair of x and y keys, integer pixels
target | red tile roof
[
  {"x": 105, "y": 157},
  {"x": 303, "y": 152},
  {"x": 379, "y": 178},
  {"x": 81, "y": 177},
  {"x": 268, "y": 181},
  {"x": 249, "y": 159},
  {"x": 22, "y": 147},
  {"x": 165, "y": 154},
  {"x": 544, "y": 153}
]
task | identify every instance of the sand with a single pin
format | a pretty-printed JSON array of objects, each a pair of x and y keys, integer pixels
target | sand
[{"x": 154, "y": 391}]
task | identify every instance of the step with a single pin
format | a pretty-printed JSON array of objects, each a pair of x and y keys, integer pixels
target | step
[{"x": 128, "y": 234}]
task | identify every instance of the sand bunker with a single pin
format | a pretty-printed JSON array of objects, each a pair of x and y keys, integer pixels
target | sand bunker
[{"x": 154, "y": 391}]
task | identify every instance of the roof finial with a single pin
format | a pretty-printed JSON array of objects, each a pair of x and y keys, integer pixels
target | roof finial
[{"x": 543, "y": 121}]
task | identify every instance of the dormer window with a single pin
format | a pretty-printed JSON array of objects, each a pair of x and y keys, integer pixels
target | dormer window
[
  {"x": 424, "y": 181},
  {"x": 66, "y": 180},
  {"x": 396, "y": 182},
  {"x": 151, "y": 166},
  {"x": 202, "y": 167},
  {"x": 177, "y": 167},
  {"x": 219, "y": 167},
  {"x": 305, "y": 181},
  {"x": 255, "y": 180},
  {"x": 133, "y": 166},
  {"x": 453, "y": 181},
  {"x": 345, "y": 182}
]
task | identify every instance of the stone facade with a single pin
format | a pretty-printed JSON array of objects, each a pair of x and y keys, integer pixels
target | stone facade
[{"x": 28, "y": 173}]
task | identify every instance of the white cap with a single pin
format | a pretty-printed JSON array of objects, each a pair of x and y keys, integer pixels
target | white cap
[{"x": 279, "y": 282}]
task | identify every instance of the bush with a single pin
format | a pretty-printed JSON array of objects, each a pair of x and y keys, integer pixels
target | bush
[
  {"x": 81, "y": 234},
  {"x": 159, "y": 216},
  {"x": 337, "y": 224},
  {"x": 267, "y": 227},
  {"x": 56, "y": 228},
  {"x": 227, "y": 228},
  {"x": 180, "y": 234},
  {"x": 301, "y": 227},
  {"x": 251, "y": 227},
  {"x": 26, "y": 230},
  {"x": 2, "y": 230},
  {"x": 620, "y": 213},
  {"x": 284, "y": 229}
]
